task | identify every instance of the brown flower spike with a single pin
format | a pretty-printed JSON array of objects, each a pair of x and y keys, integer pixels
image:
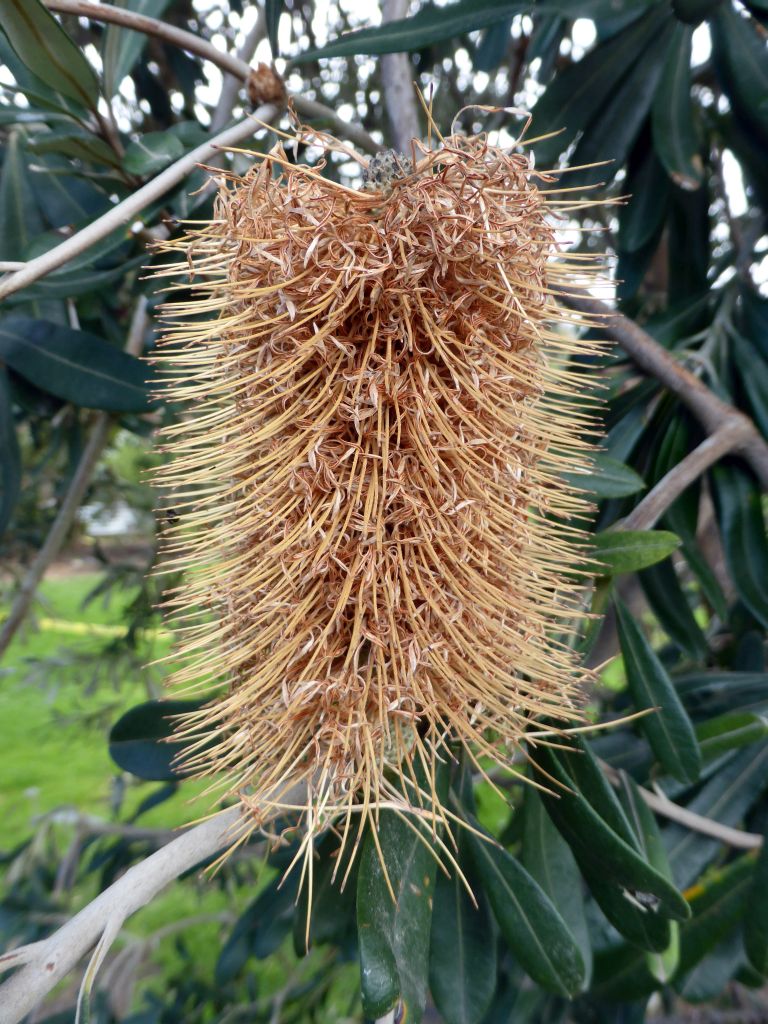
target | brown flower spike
[{"x": 373, "y": 522}]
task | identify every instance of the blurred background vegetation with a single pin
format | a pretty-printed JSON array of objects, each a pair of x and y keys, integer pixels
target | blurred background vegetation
[{"x": 675, "y": 97}]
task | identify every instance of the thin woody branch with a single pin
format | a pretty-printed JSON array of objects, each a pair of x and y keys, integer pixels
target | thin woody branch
[
  {"x": 228, "y": 62},
  {"x": 711, "y": 411}
]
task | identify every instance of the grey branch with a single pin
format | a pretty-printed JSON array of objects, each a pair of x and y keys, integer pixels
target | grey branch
[
  {"x": 43, "y": 964},
  {"x": 397, "y": 84},
  {"x": 711, "y": 411}
]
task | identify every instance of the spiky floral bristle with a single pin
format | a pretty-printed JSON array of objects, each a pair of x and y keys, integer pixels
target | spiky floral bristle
[{"x": 381, "y": 400}]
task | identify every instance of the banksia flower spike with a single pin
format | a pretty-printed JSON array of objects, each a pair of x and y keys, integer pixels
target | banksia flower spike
[{"x": 381, "y": 401}]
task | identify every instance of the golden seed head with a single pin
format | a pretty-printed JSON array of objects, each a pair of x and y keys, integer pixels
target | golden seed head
[{"x": 381, "y": 397}]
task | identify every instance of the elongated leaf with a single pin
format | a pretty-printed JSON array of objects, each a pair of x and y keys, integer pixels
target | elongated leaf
[
  {"x": 753, "y": 371},
  {"x": 333, "y": 909},
  {"x": 710, "y": 976},
  {"x": 429, "y": 25},
  {"x": 46, "y": 49},
  {"x": 122, "y": 47},
  {"x": 19, "y": 211},
  {"x": 742, "y": 60},
  {"x": 37, "y": 92},
  {"x": 10, "y": 456},
  {"x": 727, "y": 732},
  {"x": 530, "y": 923},
  {"x": 74, "y": 365},
  {"x": 579, "y": 93},
  {"x": 620, "y": 551},
  {"x": 641, "y": 220},
  {"x": 462, "y": 959},
  {"x": 273, "y": 9},
  {"x": 394, "y": 937},
  {"x": 674, "y": 131},
  {"x": 261, "y": 928},
  {"x": 596, "y": 844},
  {"x": 548, "y": 859},
  {"x": 611, "y": 134},
  {"x": 152, "y": 152},
  {"x": 669, "y": 604},
  {"x": 714, "y": 693},
  {"x": 139, "y": 742},
  {"x": 726, "y": 798},
  {"x": 608, "y": 478},
  {"x": 641, "y": 925},
  {"x": 756, "y": 920},
  {"x": 738, "y": 501},
  {"x": 716, "y": 905},
  {"x": 668, "y": 728}
]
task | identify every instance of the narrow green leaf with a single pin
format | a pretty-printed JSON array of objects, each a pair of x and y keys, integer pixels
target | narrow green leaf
[
  {"x": 61, "y": 108},
  {"x": 548, "y": 859},
  {"x": 578, "y": 94},
  {"x": 273, "y": 10},
  {"x": 530, "y": 923},
  {"x": 152, "y": 152},
  {"x": 641, "y": 219},
  {"x": 709, "y": 978},
  {"x": 140, "y": 741},
  {"x": 261, "y": 928},
  {"x": 74, "y": 142},
  {"x": 669, "y": 604},
  {"x": 10, "y": 455},
  {"x": 741, "y": 57},
  {"x": 674, "y": 131},
  {"x": 714, "y": 693},
  {"x": 725, "y": 797},
  {"x": 756, "y": 919},
  {"x": 716, "y": 905},
  {"x": 19, "y": 212},
  {"x": 596, "y": 844},
  {"x": 738, "y": 501},
  {"x": 394, "y": 937},
  {"x": 333, "y": 908},
  {"x": 753, "y": 371},
  {"x": 646, "y": 930},
  {"x": 717, "y": 736},
  {"x": 429, "y": 25},
  {"x": 74, "y": 365},
  {"x": 607, "y": 478},
  {"x": 667, "y": 728},
  {"x": 46, "y": 49},
  {"x": 462, "y": 959},
  {"x": 122, "y": 47},
  {"x": 619, "y": 551}
]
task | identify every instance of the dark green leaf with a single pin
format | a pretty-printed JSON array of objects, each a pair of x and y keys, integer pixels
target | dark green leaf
[
  {"x": 670, "y": 605},
  {"x": 548, "y": 859},
  {"x": 726, "y": 798},
  {"x": 596, "y": 844},
  {"x": 756, "y": 920},
  {"x": 333, "y": 908},
  {"x": 492, "y": 48},
  {"x": 674, "y": 131},
  {"x": 708, "y": 979},
  {"x": 753, "y": 371},
  {"x": 462, "y": 959},
  {"x": 46, "y": 49},
  {"x": 717, "y": 736},
  {"x": 273, "y": 10},
  {"x": 741, "y": 56},
  {"x": 139, "y": 742},
  {"x": 10, "y": 456},
  {"x": 261, "y": 929},
  {"x": 429, "y": 25},
  {"x": 19, "y": 212},
  {"x": 152, "y": 152},
  {"x": 36, "y": 91},
  {"x": 122, "y": 47},
  {"x": 607, "y": 478},
  {"x": 74, "y": 365},
  {"x": 645, "y": 929},
  {"x": 394, "y": 937},
  {"x": 714, "y": 693},
  {"x": 579, "y": 93},
  {"x": 529, "y": 921},
  {"x": 641, "y": 220},
  {"x": 716, "y": 905},
  {"x": 694, "y": 11},
  {"x": 738, "y": 500},
  {"x": 620, "y": 551},
  {"x": 74, "y": 142},
  {"x": 667, "y": 728}
]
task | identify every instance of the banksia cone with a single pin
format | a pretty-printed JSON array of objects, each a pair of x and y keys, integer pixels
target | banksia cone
[{"x": 381, "y": 402}]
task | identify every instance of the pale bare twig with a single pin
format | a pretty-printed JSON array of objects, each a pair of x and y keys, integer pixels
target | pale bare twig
[
  {"x": 397, "y": 85},
  {"x": 74, "y": 496},
  {"x": 656, "y": 502},
  {"x": 43, "y": 964},
  {"x": 228, "y": 62},
  {"x": 645, "y": 351},
  {"x": 231, "y": 84}
]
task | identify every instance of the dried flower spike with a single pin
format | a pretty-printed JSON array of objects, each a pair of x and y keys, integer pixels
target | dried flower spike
[{"x": 373, "y": 523}]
